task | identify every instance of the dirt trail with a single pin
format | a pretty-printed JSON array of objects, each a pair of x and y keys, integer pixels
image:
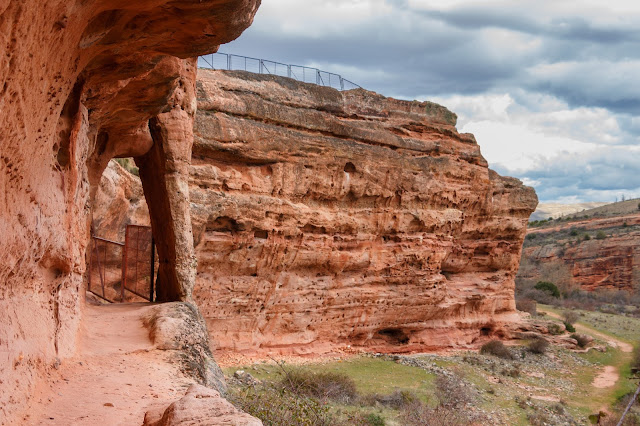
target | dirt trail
[
  {"x": 612, "y": 341},
  {"x": 609, "y": 375},
  {"x": 607, "y": 378},
  {"x": 115, "y": 377}
]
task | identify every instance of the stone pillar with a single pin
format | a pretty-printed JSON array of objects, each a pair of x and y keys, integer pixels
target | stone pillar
[{"x": 164, "y": 172}]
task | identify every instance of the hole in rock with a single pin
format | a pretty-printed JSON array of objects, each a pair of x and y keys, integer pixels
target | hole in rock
[
  {"x": 261, "y": 234},
  {"x": 349, "y": 167},
  {"x": 224, "y": 224},
  {"x": 395, "y": 336}
]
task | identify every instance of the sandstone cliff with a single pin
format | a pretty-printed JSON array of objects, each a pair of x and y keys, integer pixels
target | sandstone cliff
[
  {"x": 82, "y": 82},
  {"x": 607, "y": 260},
  {"x": 324, "y": 219}
]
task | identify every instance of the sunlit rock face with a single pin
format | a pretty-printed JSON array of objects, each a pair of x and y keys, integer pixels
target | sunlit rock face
[
  {"x": 606, "y": 263},
  {"x": 81, "y": 82},
  {"x": 324, "y": 219}
]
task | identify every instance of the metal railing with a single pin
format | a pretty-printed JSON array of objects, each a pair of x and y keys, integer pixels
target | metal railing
[
  {"x": 123, "y": 272},
  {"x": 227, "y": 61}
]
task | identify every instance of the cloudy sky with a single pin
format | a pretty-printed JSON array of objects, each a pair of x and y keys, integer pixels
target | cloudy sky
[{"x": 551, "y": 89}]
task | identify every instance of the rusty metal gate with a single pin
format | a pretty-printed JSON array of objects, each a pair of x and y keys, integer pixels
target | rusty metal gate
[{"x": 123, "y": 272}]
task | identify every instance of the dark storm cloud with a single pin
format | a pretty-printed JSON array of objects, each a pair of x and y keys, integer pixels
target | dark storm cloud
[
  {"x": 428, "y": 52},
  {"x": 567, "y": 28},
  {"x": 614, "y": 171}
]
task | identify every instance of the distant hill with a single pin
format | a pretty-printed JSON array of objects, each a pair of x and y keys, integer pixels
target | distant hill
[
  {"x": 594, "y": 249},
  {"x": 620, "y": 208},
  {"x": 556, "y": 210}
]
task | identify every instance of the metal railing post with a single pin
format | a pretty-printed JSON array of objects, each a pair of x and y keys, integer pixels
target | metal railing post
[
  {"x": 153, "y": 269},
  {"x": 264, "y": 69}
]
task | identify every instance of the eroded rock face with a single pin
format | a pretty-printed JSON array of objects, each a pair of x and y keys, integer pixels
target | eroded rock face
[
  {"x": 200, "y": 406},
  {"x": 80, "y": 83},
  {"x": 325, "y": 219},
  {"x": 606, "y": 263}
]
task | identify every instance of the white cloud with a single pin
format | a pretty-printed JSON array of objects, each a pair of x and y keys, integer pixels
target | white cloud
[{"x": 543, "y": 85}]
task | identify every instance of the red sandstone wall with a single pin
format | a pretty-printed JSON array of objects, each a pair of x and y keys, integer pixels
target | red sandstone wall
[
  {"x": 610, "y": 263},
  {"x": 79, "y": 81},
  {"x": 325, "y": 219}
]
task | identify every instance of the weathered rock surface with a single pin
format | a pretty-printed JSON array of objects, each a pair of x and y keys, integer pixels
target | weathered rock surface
[
  {"x": 324, "y": 219},
  {"x": 607, "y": 263},
  {"x": 82, "y": 82},
  {"x": 200, "y": 406}
]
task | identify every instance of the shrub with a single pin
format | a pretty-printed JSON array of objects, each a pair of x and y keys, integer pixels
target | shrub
[
  {"x": 570, "y": 328},
  {"x": 573, "y": 232},
  {"x": 600, "y": 235},
  {"x": 324, "y": 386},
  {"x": 570, "y": 317},
  {"x": 555, "y": 329},
  {"x": 539, "y": 418},
  {"x": 586, "y": 237},
  {"x": 129, "y": 165},
  {"x": 548, "y": 287},
  {"x": 496, "y": 348},
  {"x": 373, "y": 419},
  {"x": 581, "y": 339},
  {"x": 277, "y": 406},
  {"x": 636, "y": 358},
  {"x": 452, "y": 391},
  {"x": 527, "y": 305},
  {"x": 538, "y": 346},
  {"x": 419, "y": 415},
  {"x": 396, "y": 400},
  {"x": 531, "y": 236}
]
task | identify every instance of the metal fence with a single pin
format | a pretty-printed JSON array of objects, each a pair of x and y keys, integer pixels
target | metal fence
[
  {"x": 226, "y": 61},
  {"x": 123, "y": 272},
  {"x": 138, "y": 263}
]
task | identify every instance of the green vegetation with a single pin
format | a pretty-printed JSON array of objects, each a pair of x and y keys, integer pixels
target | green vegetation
[
  {"x": 437, "y": 389},
  {"x": 326, "y": 385},
  {"x": 496, "y": 348},
  {"x": 538, "y": 345},
  {"x": 129, "y": 165},
  {"x": 548, "y": 287},
  {"x": 600, "y": 235}
]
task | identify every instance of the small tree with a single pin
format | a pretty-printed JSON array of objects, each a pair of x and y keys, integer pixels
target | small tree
[
  {"x": 548, "y": 287},
  {"x": 601, "y": 235}
]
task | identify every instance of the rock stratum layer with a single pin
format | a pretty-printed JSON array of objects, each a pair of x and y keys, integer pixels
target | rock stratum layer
[
  {"x": 82, "y": 82},
  {"x": 324, "y": 219},
  {"x": 608, "y": 260}
]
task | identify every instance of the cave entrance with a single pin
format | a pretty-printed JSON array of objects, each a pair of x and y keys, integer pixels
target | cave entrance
[{"x": 124, "y": 272}]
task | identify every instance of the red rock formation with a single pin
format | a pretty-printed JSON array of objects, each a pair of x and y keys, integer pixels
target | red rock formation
[
  {"x": 80, "y": 82},
  {"x": 325, "y": 219},
  {"x": 610, "y": 263}
]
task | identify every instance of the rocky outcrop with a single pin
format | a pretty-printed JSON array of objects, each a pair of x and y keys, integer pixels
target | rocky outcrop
[
  {"x": 607, "y": 260},
  {"x": 82, "y": 82},
  {"x": 200, "y": 406},
  {"x": 324, "y": 219}
]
